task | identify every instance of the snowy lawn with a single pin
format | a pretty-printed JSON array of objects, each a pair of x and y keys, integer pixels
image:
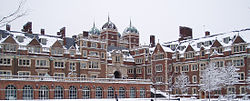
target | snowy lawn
[{"x": 131, "y": 99}]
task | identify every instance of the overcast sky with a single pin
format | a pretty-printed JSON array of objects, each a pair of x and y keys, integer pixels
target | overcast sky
[{"x": 161, "y": 18}]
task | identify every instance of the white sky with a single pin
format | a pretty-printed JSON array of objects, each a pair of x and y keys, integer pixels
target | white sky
[{"x": 161, "y": 18}]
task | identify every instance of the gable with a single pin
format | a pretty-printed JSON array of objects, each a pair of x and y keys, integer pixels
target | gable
[
  {"x": 189, "y": 48},
  {"x": 57, "y": 44},
  {"x": 238, "y": 39},
  {"x": 34, "y": 42},
  {"x": 10, "y": 40},
  {"x": 216, "y": 44},
  {"x": 159, "y": 49}
]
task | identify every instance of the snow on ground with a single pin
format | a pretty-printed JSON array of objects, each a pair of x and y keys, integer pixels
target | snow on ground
[{"x": 132, "y": 99}]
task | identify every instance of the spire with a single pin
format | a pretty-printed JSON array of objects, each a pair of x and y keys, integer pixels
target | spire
[
  {"x": 108, "y": 18},
  {"x": 130, "y": 24},
  {"x": 94, "y": 24}
]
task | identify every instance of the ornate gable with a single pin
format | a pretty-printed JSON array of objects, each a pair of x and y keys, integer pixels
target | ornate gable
[
  {"x": 216, "y": 44},
  {"x": 10, "y": 40},
  {"x": 238, "y": 39},
  {"x": 158, "y": 49},
  {"x": 34, "y": 42},
  {"x": 189, "y": 48},
  {"x": 57, "y": 44}
]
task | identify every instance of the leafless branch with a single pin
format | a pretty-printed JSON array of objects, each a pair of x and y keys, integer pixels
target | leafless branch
[{"x": 18, "y": 13}]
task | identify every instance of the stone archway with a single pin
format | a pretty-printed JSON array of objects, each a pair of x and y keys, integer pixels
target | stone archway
[{"x": 117, "y": 74}]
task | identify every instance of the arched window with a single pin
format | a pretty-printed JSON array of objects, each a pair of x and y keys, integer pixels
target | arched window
[
  {"x": 132, "y": 92},
  {"x": 10, "y": 92},
  {"x": 98, "y": 92},
  {"x": 110, "y": 92},
  {"x": 121, "y": 92},
  {"x": 27, "y": 92},
  {"x": 72, "y": 92},
  {"x": 44, "y": 92},
  {"x": 142, "y": 93},
  {"x": 58, "y": 93},
  {"x": 86, "y": 92}
]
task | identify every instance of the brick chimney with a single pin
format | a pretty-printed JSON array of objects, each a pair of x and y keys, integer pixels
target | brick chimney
[
  {"x": 42, "y": 31},
  {"x": 85, "y": 34},
  {"x": 185, "y": 33},
  {"x": 152, "y": 41},
  {"x": 207, "y": 33},
  {"x": 27, "y": 27},
  {"x": 8, "y": 27},
  {"x": 62, "y": 32}
]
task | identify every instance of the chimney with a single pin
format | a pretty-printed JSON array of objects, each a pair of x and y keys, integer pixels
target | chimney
[
  {"x": 185, "y": 33},
  {"x": 85, "y": 34},
  {"x": 152, "y": 40},
  {"x": 27, "y": 27},
  {"x": 8, "y": 27},
  {"x": 207, "y": 33},
  {"x": 42, "y": 31},
  {"x": 62, "y": 32}
]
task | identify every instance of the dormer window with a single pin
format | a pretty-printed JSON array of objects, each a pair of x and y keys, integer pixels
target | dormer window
[
  {"x": 56, "y": 51},
  {"x": 9, "y": 47},
  {"x": 199, "y": 45},
  {"x": 189, "y": 55},
  {"x": 117, "y": 58},
  {"x": 239, "y": 48},
  {"x": 20, "y": 38},
  {"x": 202, "y": 53},
  {"x": 94, "y": 45},
  {"x": 207, "y": 43},
  {"x": 43, "y": 41},
  {"x": 84, "y": 43},
  {"x": 226, "y": 40},
  {"x": 34, "y": 49}
]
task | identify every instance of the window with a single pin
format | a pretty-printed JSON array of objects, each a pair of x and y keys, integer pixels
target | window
[
  {"x": 5, "y": 72},
  {"x": 34, "y": 50},
  {"x": 217, "y": 92},
  {"x": 117, "y": 58},
  {"x": 159, "y": 56},
  {"x": 122, "y": 92},
  {"x": 56, "y": 51},
  {"x": 72, "y": 66},
  {"x": 42, "y": 74},
  {"x": 23, "y": 62},
  {"x": 94, "y": 64},
  {"x": 202, "y": 53},
  {"x": 98, "y": 92},
  {"x": 84, "y": 44},
  {"x": 58, "y": 64},
  {"x": 83, "y": 65},
  {"x": 72, "y": 52},
  {"x": 10, "y": 92},
  {"x": 239, "y": 48},
  {"x": 185, "y": 68},
  {"x": 189, "y": 55},
  {"x": 44, "y": 92},
  {"x": 194, "y": 79},
  {"x": 84, "y": 52},
  {"x": 9, "y": 47},
  {"x": 194, "y": 67},
  {"x": 149, "y": 70},
  {"x": 27, "y": 92},
  {"x": 94, "y": 45},
  {"x": 132, "y": 93},
  {"x": 243, "y": 90},
  {"x": 5, "y": 61},
  {"x": 138, "y": 61},
  {"x": 58, "y": 93},
  {"x": 102, "y": 55},
  {"x": 93, "y": 76},
  {"x": 158, "y": 68},
  {"x": 59, "y": 75},
  {"x": 110, "y": 92},
  {"x": 194, "y": 91},
  {"x": 72, "y": 92},
  {"x": 219, "y": 50},
  {"x": 142, "y": 93},
  {"x": 238, "y": 62},
  {"x": 219, "y": 63},
  {"x": 242, "y": 76},
  {"x": 177, "y": 69},
  {"x": 130, "y": 71},
  {"x": 23, "y": 73},
  {"x": 138, "y": 70},
  {"x": 226, "y": 40},
  {"x": 42, "y": 63},
  {"x": 86, "y": 92},
  {"x": 93, "y": 53},
  {"x": 231, "y": 90},
  {"x": 102, "y": 46},
  {"x": 43, "y": 41},
  {"x": 159, "y": 79},
  {"x": 202, "y": 66},
  {"x": 83, "y": 76}
]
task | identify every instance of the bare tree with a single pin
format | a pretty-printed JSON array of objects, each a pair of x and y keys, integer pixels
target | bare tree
[
  {"x": 18, "y": 13},
  {"x": 182, "y": 82}
]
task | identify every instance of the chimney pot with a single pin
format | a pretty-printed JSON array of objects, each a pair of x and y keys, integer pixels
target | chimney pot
[
  {"x": 152, "y": 40},
  {"x": 8, "y": 27},
  {"x": 42, "y": 31},
  {"x": 85, "y": 34},
  {"x": 207, "y": 33}
]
